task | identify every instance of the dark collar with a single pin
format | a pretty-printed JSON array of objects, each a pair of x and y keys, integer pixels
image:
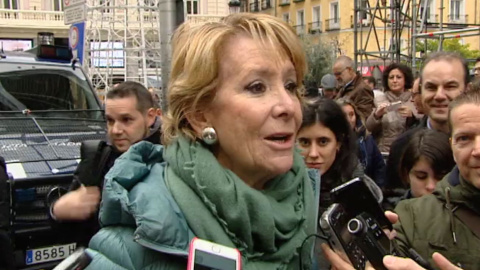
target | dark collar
[{"x": 454, "y": 177}]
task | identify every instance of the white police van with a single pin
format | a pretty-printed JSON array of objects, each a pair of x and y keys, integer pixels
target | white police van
[{"x": 47, "y": 108}]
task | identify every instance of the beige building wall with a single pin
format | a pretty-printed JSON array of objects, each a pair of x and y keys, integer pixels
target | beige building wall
[
  {"x": 31, "y": 17},
  {"x": 339, "y": 29}
]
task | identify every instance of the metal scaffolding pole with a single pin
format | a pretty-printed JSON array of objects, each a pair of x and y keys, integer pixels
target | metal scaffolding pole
[
  {"x": 444, "y": 30},
  {"x": 378, "y": 27},
  {"x": 438, "y": 33},
  {"x": 167, "y": 17}
]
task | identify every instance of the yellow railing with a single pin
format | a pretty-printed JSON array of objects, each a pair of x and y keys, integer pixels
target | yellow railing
[{"x": 32, "y": 18}]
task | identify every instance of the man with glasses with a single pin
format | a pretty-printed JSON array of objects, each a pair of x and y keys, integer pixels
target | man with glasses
[{"x": 352, "y": 86}]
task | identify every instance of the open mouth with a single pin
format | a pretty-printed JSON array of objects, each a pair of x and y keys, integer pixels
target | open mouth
[{"x": 279, "y": 138}]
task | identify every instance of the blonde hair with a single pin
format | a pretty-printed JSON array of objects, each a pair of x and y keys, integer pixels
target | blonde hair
[{"x": 197, "y": 51}]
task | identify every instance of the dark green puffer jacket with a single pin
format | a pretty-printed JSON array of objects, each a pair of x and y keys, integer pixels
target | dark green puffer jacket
[{"x": 428, "y": 225}]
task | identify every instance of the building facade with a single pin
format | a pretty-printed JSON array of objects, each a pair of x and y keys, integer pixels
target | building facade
[
  {"x": 21, "y": 20},
  {"x": 334, "y": 21}
]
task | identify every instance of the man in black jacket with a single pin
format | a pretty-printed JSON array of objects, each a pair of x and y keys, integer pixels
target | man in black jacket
[
  {"x": 444, "y": 76},
  {"x": 131, "y": 117}
]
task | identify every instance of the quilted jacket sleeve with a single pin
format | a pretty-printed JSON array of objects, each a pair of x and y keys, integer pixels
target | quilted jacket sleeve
[{"x": 116, "y": 248}]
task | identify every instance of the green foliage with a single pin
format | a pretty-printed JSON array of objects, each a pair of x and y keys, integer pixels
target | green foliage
[
  {"x": 449, "y": 45},
  {"x": 320, "y": 57}
]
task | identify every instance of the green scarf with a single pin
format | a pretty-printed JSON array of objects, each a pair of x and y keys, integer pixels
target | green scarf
[{"x": 267, "y": 226}]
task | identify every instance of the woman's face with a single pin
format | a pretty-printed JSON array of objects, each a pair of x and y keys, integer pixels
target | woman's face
[
  {"x": 256, "y": 112},
  {"x": 350, "y": 113},
  {"x": 422, "y": 178},
  {"x": 319, "y": 146},
  {"x": 396, "y": 81}
]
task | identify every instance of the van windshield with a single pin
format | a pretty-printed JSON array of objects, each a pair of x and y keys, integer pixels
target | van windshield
[{"x": 47, "y": 90}]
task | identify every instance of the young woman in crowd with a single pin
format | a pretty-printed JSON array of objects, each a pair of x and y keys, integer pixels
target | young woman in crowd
[
  {"x": 426, "y": 160},
  {"x": 387, "y": 121},
  {"x": 228, "y": 172},
  {"x": 368, "y": 154},
  {"x": 328, "y": 144}
]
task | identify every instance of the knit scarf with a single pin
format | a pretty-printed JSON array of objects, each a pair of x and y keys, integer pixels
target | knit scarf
[{"x": 267, "y": 226}]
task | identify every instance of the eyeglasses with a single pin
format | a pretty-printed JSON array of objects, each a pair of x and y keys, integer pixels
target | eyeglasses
[{"x": 339, "y": 72}]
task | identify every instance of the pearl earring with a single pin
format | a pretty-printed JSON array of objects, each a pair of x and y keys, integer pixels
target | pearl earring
[{"x": 209, "y": 135}]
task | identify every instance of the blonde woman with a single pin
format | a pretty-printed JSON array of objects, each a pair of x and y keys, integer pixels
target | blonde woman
[{"x": 229, "y": 172}]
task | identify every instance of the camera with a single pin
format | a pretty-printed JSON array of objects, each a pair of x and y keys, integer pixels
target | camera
[
  {"x": 371, "y": 239},
  {"x": 334, "y": 225}
]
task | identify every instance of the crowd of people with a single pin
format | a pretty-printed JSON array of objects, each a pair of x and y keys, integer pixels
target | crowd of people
[{"x": 243, "y": 158}]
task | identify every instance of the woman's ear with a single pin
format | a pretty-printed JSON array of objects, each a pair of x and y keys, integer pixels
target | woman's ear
[{"x": 198, "y": 122}]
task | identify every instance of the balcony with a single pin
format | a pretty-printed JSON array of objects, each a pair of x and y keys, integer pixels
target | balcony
[
  {"x": 361, "y": 22},
  {"x": 199, "y": 19},
  {"x": 284, "y": 3},
  {"x": 332, "y": 24},
  {"x": 300, "y": 29},
  {"x": 432, "y": 18},
  {"x": 315, "y": 27},
  {"x": 457, "y": 18},
  {"x": 255, "y": 6},
  {"x": 32, "y": 19},
  {"x": 266, "y": 4}
]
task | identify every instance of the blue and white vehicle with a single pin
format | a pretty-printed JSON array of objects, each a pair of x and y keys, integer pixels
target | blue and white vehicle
[{"x": 47, "y": 108}]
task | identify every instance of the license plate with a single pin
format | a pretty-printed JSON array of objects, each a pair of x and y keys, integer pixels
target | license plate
[{"x": 49, "y": 254}]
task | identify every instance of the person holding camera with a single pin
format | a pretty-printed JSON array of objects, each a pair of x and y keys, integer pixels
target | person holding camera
[
  {"x": 388, "y": 120},
  {"x": 448, "y": 221},
  {"x": 228, "y": 172}
]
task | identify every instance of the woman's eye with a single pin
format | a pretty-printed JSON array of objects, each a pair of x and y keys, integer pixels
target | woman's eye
[
  {"x": 323, "y": 141},
  {"x": 291, "y": 87},
  {"x": 303, "y": 142},
  {"x": 256, "y": 88},
  {"x": 421, "y": 176}
]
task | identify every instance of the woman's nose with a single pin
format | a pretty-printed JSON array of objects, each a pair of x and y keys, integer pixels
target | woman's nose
[{"x": 313, "y": 151}]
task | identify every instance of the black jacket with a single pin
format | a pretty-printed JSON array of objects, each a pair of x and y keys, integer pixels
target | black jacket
[
  {"x": 91, "y": 172},
  {"x": 392, "y": 178}
]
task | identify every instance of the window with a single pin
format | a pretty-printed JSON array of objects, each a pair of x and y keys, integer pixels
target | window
[
  {"x": 455, "y": 7},
  {"x": 46, "y": 89},
  {"x": 317, "y": 18},
  {"x": 192, "y": 7},
  {"x": 10, "y": 4},
  {"x": 334, "y": 13},
  {"x": 150, "y": 3},
  {"x": 300, "y": 22},
  {"x": 431, "y": 10},
  {"x": 428, "y": 11},
  {"x": 286, "y": 17},
  {"x": 301, "y": 17},
  {"x": 57, "y": 5},
  {"x": 362, "y": 14},
  {"x": 105, "y": 4}
]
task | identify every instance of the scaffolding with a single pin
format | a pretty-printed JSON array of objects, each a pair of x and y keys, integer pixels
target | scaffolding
[
  {"x": 122, "y": 42},
  {"x": 382, "y": 23},
  {"x": 458, "y": 27},
  {"x": 394, "y": 27}
]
